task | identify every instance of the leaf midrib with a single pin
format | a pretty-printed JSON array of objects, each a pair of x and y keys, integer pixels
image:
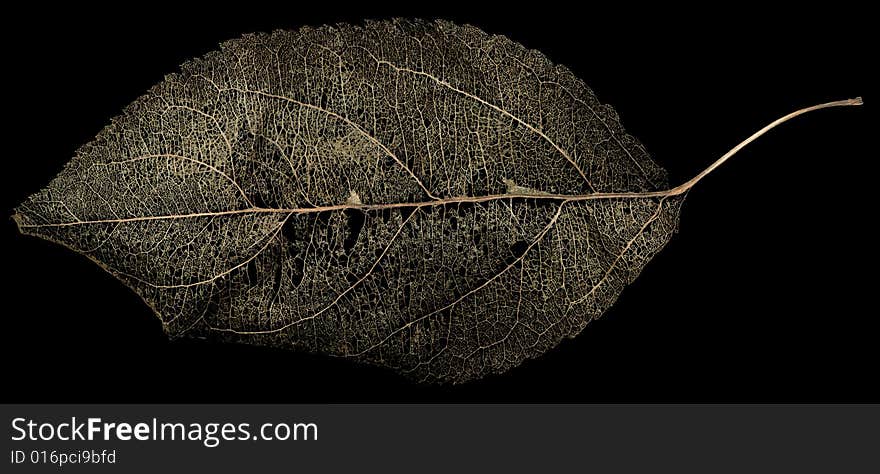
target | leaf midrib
[{"x": 370, "y": 207}]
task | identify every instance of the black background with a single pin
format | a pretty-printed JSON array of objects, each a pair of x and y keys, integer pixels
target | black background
[{"x": 762, "y": 296}]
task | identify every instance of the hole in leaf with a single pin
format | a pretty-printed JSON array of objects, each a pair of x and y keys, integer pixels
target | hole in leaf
[
  {"x": 258, "y": 201},
  {"x": 405, "y": 212},
  {"x": 515, "y": 252},
  {"x": 385, "y": 214},
  {"x": 288, "y": 230},
  {"x": 519, "y": 248},
  {"x": 251, "y": 271},
  {"x": 355, "y": 224}
]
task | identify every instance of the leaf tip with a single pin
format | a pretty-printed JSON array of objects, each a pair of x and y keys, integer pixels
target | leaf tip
[{"x": 17, "y": 217}]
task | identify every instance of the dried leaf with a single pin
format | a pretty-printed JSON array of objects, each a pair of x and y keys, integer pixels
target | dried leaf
[{"x": 421, "y": 196}]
